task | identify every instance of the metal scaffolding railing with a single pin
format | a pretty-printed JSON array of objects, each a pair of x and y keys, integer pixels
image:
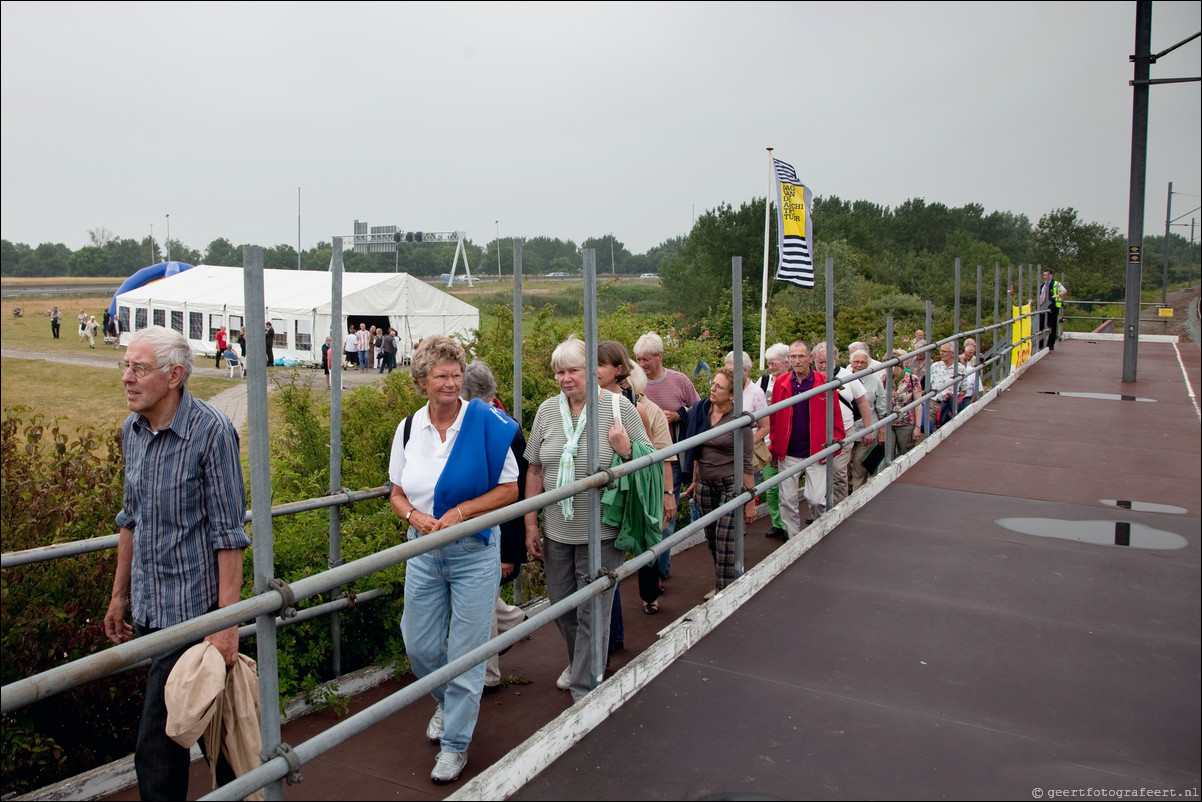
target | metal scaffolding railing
[{"x": 272, "y": 596}]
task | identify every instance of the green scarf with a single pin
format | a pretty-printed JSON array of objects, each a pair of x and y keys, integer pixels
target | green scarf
[{"x": 567, "y": 461}]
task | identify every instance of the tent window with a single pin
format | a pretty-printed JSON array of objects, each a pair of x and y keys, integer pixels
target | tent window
[
  {"x": 123, "y": 317},
  {"x": 235, "y": 323},
  {"x": 177, "y": 321},
  {"x": 196, "y": 322},
  {"x": 304, "y": 335},
  {"x": 281, "y": 333},
  {"x": 215, "y": 322},
  {"x": 160, "y": 316},
  {"x": 139, "y": 318}
]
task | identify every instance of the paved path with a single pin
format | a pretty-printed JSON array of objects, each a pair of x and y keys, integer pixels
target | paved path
[{"x": 979, "y": 630}]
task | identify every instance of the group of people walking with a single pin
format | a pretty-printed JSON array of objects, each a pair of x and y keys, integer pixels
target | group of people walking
[
  {"x": 461, "y": 456},
  {"x": 88, "y": 327}
]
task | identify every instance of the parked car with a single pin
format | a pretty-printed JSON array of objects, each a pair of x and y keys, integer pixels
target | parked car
[
  {"x": 650, "y": 275},
  {"x": 558, "y": 275}
]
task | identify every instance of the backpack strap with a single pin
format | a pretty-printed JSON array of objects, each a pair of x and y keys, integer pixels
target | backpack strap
[{"x": 405, "y": 431}]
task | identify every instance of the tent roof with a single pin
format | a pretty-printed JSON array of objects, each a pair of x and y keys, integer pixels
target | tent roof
[{"x": 302, "y": 292}]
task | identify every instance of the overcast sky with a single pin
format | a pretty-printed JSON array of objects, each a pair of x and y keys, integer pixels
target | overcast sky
[{"x": 571, "y": 120}]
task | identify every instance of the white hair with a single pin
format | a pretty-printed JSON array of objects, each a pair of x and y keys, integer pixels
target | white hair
[
  {"x": 747, "y": 363},
  {"x": 637, "y": 380},
  {"x": 168, "y": 346},
  {"x": 778, "y": 351},
  {"x": 649, "y": 344}
]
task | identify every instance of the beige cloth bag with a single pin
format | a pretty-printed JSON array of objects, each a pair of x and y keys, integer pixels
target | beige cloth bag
[{"x": 204, "y": 699}]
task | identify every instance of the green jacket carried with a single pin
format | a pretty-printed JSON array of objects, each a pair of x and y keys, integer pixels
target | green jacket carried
[{"x": 636, "y": 504}]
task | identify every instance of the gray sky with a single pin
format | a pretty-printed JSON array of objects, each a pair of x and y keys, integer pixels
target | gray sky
[{"x": 571, "y": 120}]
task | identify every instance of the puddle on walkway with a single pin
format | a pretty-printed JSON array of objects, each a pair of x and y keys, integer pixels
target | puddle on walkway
[
  {"x": 1101, "y": 533},
  {"x": 1143, "y": 506},
  {"x": 1100, "y": 396}
]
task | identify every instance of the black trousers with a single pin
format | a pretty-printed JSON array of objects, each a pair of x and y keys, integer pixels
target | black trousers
[
  {"x": 161, "y": 764},
  {"x": 1051, "y": 322}
]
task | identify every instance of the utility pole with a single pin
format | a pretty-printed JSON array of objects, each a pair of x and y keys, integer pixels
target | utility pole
[
  {"x": 168, "y": 244},
  {"x": 1168, "y": 216},
  {"x": 1139, "y": 173},
  {"x": 498, "y": 222}
]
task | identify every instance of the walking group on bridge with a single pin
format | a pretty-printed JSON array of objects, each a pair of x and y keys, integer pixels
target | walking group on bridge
[{"x": 461, "y": 456}]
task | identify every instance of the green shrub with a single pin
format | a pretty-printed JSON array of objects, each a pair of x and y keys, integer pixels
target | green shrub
[{"x": 53, "y": 489}]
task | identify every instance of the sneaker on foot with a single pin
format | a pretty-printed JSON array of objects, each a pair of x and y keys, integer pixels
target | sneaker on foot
[
  {"x": 435, "y": 727},
  {"x": 448, "y": 766},
  {"x": 711, "y": 594},
  {"x": 564, "y": 683}
]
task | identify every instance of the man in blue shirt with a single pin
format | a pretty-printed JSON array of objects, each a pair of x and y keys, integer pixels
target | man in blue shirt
[{"x": 179, "y": 554}]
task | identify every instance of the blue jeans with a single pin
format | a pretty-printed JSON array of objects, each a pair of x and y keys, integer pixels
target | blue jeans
[
  {"x": 362, "y": 360},
  {"x": 460, "y": 578}
]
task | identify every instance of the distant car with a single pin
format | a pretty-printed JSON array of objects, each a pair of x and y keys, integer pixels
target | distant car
[
  {"x": 558, "y": 275},
  {"x": 649, "y": 275}
]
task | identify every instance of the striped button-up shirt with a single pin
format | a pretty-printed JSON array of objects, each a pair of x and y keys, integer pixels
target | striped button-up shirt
[{"x": 184, "y": 501}]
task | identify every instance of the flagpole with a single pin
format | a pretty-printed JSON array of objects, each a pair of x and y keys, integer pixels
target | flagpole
[{"x": 764, "y": 290}]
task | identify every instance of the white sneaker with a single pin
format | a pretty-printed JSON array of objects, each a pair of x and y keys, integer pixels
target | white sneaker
[
  {"x": 435, "y": 727},
  {"x": 448, "y": 766},
  {"x": 564, "y": 683}
]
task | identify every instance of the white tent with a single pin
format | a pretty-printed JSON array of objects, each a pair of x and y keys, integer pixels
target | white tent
[{"x": 199, "y": 301}]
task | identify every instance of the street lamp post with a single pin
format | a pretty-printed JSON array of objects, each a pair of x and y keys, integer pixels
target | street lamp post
[
  {"x": 498, "y": 222},
  {"x": 168, "y": 259},
  {"x": 152, "y": 243}
]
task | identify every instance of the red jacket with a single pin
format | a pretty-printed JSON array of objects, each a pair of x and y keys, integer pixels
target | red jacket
[{"x": 781, "y": 423}]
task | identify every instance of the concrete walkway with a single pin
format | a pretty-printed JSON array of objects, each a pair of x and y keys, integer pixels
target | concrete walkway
[{"x": 1015, "y": 616}]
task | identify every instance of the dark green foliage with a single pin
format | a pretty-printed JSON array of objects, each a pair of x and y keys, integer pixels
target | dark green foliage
[
  {"x": 695, "y": 278},
  {"x": 55, "y": 490},
  {"x": 300, "y": 470},
  {"x": 1088, "y": 257}
]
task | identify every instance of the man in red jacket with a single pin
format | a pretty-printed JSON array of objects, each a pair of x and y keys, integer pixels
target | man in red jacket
[{"x": 799, "y": 432}]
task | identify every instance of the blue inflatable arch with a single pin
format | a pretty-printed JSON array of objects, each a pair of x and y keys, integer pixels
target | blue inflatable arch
[{"x": 145, "y": 276}]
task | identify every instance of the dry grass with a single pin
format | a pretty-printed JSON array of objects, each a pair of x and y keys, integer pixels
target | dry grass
[
  {"x": 80, "y": 395},
  {"x": 31, "y": 331}
]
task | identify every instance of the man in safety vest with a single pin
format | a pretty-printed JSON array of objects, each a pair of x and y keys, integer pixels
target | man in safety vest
[{"x": 1051, "y": 298}]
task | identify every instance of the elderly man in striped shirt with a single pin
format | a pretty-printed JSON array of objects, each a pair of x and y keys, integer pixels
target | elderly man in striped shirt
[{"x": 179, "y": 554}]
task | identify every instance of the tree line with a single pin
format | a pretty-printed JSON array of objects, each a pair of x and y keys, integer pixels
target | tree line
[
  {"x": 111, "y": 255},
  {"x": 902, "y": 252},
  {"x": 895, "y": 259}
]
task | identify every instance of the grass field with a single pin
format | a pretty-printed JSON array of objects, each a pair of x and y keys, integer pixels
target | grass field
[{"x": 80, "y": 395}]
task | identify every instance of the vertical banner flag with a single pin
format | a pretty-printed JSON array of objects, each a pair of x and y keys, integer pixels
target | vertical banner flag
[
  {"x": 793, "y": 201},
  {"x": 1021, "y": 336}
]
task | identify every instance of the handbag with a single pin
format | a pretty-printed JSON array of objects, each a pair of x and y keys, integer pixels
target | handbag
[{"x": 761, "y": 456}]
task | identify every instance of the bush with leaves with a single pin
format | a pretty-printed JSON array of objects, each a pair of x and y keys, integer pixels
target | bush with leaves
[
  {"x": 52, "y": 490},
  {"x": 369, "y": 634}
]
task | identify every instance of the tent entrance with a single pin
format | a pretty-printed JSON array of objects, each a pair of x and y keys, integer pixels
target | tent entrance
[{"x": 379, "y": 321}]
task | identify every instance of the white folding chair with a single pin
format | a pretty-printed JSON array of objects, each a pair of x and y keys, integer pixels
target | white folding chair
[{"x": 235, "y": 362}]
